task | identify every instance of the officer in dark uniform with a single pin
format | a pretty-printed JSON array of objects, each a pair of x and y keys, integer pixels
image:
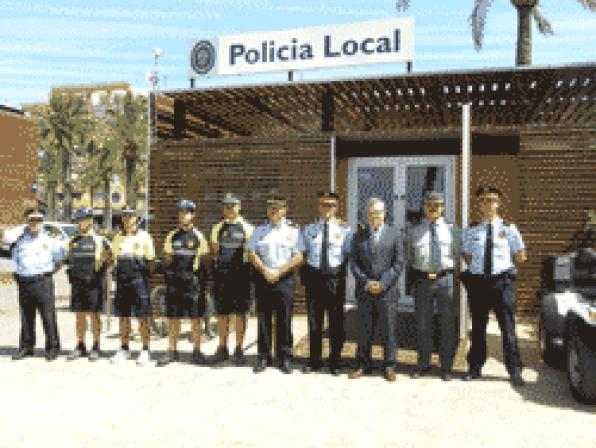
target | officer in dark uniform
[
  {"x": 433, "y": 249},
  {"x": 134, "y": 255},
  {"x": 184, "y": 250},
  {"x": 87, "y": 254},
  {"x": 326, "y": 246},
  {"x": 275, "y": 250},
  {"x": 37, "y": 257},
  {"x": 231, "y": 276},
  {"x": 491, "y": 250}
]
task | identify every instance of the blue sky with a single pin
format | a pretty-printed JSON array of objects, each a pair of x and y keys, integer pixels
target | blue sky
[{"x": 49, "y": 43}]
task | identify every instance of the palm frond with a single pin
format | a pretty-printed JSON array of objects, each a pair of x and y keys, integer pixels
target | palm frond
[
  {"x": 402, "y": 5},
  {"x": 589, "y": 4},
  {"x": 544, "y": 25},
  {"x": 478, "y": 20}
]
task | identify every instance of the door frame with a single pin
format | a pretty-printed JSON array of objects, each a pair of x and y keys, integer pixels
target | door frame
[{"x": 406, "y": 303}]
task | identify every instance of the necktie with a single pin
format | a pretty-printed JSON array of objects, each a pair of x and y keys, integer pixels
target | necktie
[
  {"x": 488, "y": 250},
  {"x": 435, "y": 250},
  {"x": 325, "y": 248}
]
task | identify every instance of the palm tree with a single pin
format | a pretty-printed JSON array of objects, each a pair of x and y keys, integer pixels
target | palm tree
[
  {"x": 65, "y": 128},
  {"x": 525, "y": 8},
  {"x": 129, "y": 136}
]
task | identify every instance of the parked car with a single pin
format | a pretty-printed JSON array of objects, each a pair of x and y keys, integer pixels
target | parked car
[
  {"x": 59, "y": 230},
  {"x": 567, "y": 328}
]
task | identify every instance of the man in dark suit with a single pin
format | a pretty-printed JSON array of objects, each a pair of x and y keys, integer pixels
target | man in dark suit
[{"x": 376, "y": 261}]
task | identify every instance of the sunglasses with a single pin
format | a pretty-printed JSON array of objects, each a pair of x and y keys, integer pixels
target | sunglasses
[
  {"x": 488, "y": 199},
  {"x": 327, "y": 204}
]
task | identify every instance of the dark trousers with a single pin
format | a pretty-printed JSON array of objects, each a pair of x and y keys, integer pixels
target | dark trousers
[
  {"x": 494, "y": 293},
  {"x": 37, "y": 295},
  {"x": 426, "y": 293},
  {"x": 275, "y": 299},
  {"x": 325, "y": 293},
  {"x": 373, "y": 311}
]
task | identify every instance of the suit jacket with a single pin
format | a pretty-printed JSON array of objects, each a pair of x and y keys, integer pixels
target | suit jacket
[{"x": 381, "y": 261}]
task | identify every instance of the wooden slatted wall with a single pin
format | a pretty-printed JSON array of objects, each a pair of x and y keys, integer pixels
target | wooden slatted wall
[
  {"x": 254, "y": 169},
  {"x": 557, "y": 185}
]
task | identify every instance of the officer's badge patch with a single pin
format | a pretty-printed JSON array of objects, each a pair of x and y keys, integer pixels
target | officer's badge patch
[
  {"x": 502, "y": 234},
  {"x": 75, "y": 245},
  {"x": 190, "y": 244},
  {"x": 338, "y": 236},
  {"x": 45, "y": 246}
]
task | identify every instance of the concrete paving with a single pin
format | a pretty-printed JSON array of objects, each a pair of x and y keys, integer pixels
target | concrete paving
[{"x": 83, "y": 404}]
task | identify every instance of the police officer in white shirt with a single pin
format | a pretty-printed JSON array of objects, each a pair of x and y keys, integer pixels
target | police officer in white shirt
[
  {"x": 274, "y": 251},
  {"x": 326, "y": 244},
  {"x": 491, "y": 249},
  {"x": 37, "y": 257},
  {"x": 433, "y": 249}
]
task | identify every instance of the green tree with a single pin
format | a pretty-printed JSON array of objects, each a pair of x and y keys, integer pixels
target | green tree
[
  {"x": 128, "y": 136},
  {"x": 65, "y": 128},
  {"x": 525, "y": 9}
]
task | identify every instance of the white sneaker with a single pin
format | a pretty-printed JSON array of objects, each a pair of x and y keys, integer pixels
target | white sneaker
[
  {"x": 143, "y": 358},
  {"x": 121, "y": 355}
]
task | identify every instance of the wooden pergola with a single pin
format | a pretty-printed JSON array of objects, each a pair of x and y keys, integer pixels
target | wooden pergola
[{"x": 386, "y": 105}]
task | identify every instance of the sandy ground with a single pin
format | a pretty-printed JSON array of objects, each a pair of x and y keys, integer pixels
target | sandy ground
[{"x": 83, "y": 404}]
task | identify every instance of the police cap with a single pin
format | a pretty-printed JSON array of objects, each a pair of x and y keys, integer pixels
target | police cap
[
  {"x": 328, "y": 195},
  {"x": 230, "y": 199},
  {"x": 34, "y": 213},
  {"x": 186, "y": 204},
  {"x": 433, "y": 196},
  {"x": 127, "y": 211},
  {"x": 488, "y": 190},
  {"x": 276, "y": 202},
  {"x": 83, "y": 213}
]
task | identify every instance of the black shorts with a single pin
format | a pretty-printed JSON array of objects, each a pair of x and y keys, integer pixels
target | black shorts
[
  {"x": 132, "y": 298},
  {"x": 184, "y": 301},
  {"x": 86, "y": 296},
  {"x": 231, "y": 291}
]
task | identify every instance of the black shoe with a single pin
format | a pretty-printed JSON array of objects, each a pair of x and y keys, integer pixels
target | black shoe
[
  {"x": 472, "y": 375},
  {"x": 311, "y": 367},
  {"x": 334, "y": 371},
  {"x": 22, "y": 354},
  {"x": 446, "y": 375},
  {"x": 221, "y": 355},
  {"x": 390, "y": 374},
  {"x": 517, "y": 380},
  {"x": 286, "y": 367},
  {"x": 94, "y": 354},
  {"x": 239, "y": 358},
  {"x": 167, "y": 358},
  {"x": 418, "y": 373},
  {"x": 198, "y": 358},
  {"x": 260, "y": 366},
  {"x": 77, "y": 353},
  {"x": 51, "y": 355}
]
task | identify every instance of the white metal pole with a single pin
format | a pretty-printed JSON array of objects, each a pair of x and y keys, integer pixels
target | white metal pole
[
  {"x": 332, "y": 167},
  {"x": 465, "y": 202}
]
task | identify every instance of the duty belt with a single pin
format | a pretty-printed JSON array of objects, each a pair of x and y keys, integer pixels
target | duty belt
[
  {"x": 32, "y": 278},
  {"x": 432, "y": 275}
]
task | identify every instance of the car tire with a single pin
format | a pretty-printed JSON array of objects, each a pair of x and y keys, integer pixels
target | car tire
[
  {"x": 581, "y": 380},
  {"x": 548, "y": 351}
]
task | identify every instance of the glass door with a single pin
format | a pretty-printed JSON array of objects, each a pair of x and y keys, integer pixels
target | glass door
[{"x": 401, "y": 183}]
